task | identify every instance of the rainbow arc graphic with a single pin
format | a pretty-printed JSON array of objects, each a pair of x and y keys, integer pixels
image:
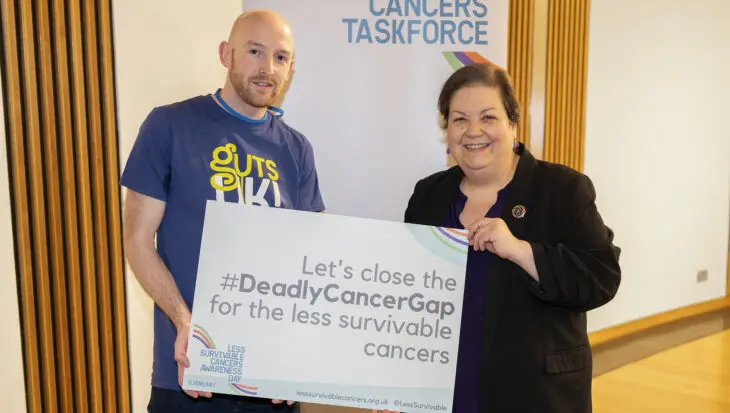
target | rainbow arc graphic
[
  {"x": 454, "y": 239},
  {"x": 248, "y": 390},
  {"x": 451, "y": 244},
  {"x": 457, "y": 60},
  {"x": 202, "y": 336}
]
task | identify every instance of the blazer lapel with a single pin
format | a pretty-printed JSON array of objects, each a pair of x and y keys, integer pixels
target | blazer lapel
[
  {"x": 440, "y": 199},
  {"x": 517, "y": 205}
]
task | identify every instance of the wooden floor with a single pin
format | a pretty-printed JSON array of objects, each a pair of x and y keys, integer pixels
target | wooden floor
[
  {"x": 691, "y": 378},
  {"x": 683, "y": 367}
]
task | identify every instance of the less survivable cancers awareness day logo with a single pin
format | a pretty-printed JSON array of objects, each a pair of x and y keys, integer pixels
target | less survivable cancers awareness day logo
[{"x": 228, "y": 361}]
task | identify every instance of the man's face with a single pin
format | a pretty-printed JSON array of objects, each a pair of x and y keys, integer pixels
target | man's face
[{"x": 261, "y": 55}]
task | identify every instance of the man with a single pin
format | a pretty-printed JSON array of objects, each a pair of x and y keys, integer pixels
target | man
[{"x": 229, "y": 147}]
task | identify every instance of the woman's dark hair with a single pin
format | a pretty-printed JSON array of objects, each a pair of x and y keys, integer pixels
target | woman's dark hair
[{"x": 486, "y": 74}]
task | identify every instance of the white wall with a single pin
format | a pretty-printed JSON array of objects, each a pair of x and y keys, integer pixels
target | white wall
[
  {"x": 12, "y": 381},
  {"x": 172, "y": 57},
  {"x": 658, "y": 148}
]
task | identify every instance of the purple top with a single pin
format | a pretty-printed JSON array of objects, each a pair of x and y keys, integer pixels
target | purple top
[{"x": 466, "y": 391}]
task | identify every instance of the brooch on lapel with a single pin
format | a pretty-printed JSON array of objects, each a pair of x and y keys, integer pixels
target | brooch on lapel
[{"x": 519, "y": 211}]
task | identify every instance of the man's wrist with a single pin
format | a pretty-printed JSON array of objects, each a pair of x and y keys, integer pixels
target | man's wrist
[{"x": 182, "y": 318}]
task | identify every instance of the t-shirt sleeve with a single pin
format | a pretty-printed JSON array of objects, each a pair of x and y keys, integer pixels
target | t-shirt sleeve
[
  {"x": 310, "y": 197},
  {"x": 147, "y": 170}
]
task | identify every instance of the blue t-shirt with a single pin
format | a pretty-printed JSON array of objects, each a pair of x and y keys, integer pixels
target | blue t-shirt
[{"x": 193, "y": 151}]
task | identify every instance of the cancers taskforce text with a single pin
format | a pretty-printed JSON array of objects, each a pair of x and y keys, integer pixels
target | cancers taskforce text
[{"x": 415, "y": 302}]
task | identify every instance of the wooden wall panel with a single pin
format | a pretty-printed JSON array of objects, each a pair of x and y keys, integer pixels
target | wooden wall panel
[
  {"x": 35, "y": 176},
  {"x": 61, "y": 129},
  {"x": 55, "y": 222},
  {"x": 69, "y": 204},
  {"x": 113, "y": 202},
  {"x": 83, "y": 184},
  {"x": 519, "y": 58},
  {"x": 12, "y": 95},
  {"x": 565, "y": 92}
]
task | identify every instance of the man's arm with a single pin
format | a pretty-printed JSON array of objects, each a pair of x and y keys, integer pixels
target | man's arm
[{"x": 142, "y": 217}]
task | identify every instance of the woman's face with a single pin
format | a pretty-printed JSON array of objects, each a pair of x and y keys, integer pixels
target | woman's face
[{"x": 479, "y": 133}]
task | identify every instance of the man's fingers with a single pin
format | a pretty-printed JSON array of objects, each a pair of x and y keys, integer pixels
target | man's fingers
[
  {"x": 191, "y": 393},
  {"x": 183, "y": 362},
  {"x": 182, "y": 359},
  {"x": 195, "y": 394},
  {"x": 181, "y": 350}
]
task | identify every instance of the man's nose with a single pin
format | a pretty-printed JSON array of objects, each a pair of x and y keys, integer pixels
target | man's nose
[{"x": 267, "y": 66}]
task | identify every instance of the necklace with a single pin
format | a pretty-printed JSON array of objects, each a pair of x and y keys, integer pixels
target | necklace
[{"x": 278, "y": 112}]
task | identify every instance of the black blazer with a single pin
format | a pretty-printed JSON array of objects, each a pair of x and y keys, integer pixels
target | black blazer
[{"x": 535, "y": 355}]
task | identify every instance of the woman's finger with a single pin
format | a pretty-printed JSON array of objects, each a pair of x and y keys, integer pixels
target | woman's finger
[
  {"x": 476, "y": 228},
  {"x": 483, "y": 236}
]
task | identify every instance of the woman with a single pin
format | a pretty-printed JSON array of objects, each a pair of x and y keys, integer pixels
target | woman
[{"x": 540, "y": 255}]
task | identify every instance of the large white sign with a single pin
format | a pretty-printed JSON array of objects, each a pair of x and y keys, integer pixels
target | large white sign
[
  {"x": 327, "y": 309},
  {"x": 367, "y": 78}
]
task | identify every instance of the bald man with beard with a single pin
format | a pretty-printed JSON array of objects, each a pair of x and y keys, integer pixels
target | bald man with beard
[{"x": 230, "y": 146}]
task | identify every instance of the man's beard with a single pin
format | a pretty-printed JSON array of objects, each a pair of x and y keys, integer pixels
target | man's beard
[{"x": 243, "y": 88}]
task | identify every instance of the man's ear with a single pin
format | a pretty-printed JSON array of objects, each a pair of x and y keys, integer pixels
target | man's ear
[
  {"x": 289, "y": 79},
  {"x": 291, "y": 70},
  {"x": 224, "y": 54}
]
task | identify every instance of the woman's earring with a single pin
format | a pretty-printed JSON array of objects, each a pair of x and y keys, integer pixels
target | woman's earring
[{"x": 448, "y": 151}]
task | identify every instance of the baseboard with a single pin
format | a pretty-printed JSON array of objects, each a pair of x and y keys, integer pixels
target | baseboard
[{"x": 623, "y": 330}]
